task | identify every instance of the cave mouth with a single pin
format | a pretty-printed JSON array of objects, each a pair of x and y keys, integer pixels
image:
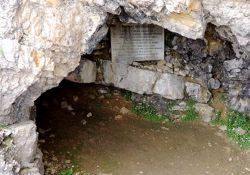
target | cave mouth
[
  {"x": 90, "y": 125},
  {"x": 91, "y": 129}
]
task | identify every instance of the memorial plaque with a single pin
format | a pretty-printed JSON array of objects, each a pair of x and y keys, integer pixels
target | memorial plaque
[{"x": 136, "y": 43}]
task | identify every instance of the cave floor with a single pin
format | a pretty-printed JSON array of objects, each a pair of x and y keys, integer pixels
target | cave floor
[{"x": 107, "y": 144}]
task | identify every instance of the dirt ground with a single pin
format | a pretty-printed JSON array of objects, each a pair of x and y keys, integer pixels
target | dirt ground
[{"x": 110, "y": 143}]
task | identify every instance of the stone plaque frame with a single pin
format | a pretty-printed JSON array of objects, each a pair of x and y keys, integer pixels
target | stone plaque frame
[{"x": 135, "y": 42}]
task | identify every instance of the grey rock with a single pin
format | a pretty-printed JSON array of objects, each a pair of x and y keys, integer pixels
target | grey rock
[
  {"x": 170, "y": 86},
  {"x": 205, "y": 111},
  {"x": 213, "y": 84},
  {"x": 240, "y": 131},
  {"x": 40, "y": 45},
  {"x": 85, "y": 72},
  {"x": 21, "y": 142},
  {"x": 138, "y": 80},
  {"x": 233, "y": 64},
  {"x": 197, "y": 92}
]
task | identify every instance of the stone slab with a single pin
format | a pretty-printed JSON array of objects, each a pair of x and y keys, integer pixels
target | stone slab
[
  {"x": 170, "y": 86},
  {"x": 136, "y": 43}
]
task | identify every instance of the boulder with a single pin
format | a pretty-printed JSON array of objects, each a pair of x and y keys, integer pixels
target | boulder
[
  {"x": 197, "y": 92},
  {"x": 170, "y": 86},
  {"x": 19, "y": 142},
  {"x": 138, "y": 80}
]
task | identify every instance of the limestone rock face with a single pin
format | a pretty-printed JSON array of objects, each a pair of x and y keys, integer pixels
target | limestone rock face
[
  {"x": 41, "y": 41},
  {"x": 143, "y": 81},
  {"x": 39, "y": 46},
  {"x": 231, "y": 13},
  {"x": 170, "y": 86},
  {"x": 85, "y": 72},
  {"x": 138, "y": 80},
  {"x": 19, "y": 148}
]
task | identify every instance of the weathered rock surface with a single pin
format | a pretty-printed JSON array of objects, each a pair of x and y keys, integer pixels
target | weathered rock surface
[
  {"x": 42, "y": 41},
  {"x": 143, "y": 81},
  {"x": 205, "y": 111},
  {"x": 19, "y": 148},
  {"x": 85, "y": 72},
  {"x": 137, "y": 80},
  {"x": 197, "y": 92},
  {"x": 170, "y": 86}
]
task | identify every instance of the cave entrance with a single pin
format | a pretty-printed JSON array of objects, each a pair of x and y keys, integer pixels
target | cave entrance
[{"x": 91, "y": 129}]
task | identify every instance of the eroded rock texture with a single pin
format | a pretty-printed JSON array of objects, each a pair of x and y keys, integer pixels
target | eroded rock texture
[{"x": 41, "y": 41}]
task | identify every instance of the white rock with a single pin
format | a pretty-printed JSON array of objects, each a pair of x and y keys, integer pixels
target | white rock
[
  {"x": 89, "y": 115},
  {"x": 70, "y": 108},
  {"x": 137, "y": 80},
  {"x": 21, "y": 142},
  {"x": 84, "y": 122},
  {"x": 170, "y": 86},
  {"x": 205, "y": 111}
]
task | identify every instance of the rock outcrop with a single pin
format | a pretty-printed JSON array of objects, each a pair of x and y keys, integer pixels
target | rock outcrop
[{"x": 41, "y": 41}]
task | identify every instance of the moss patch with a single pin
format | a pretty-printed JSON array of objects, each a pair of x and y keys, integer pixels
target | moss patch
[
  {"x": 238, "y": 120},
  {"x": 68, "y": 171},
  {"x": 233, "y": 121},
  {"x": 148, "y": 112},
  {"x": 190, "y": 113}
]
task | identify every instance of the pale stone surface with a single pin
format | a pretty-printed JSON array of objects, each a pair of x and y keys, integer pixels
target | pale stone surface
[
  {"x": 131, "y": 43},
  {"x": 41, "y": 41},
  {"x": 170, "y": 86},
  {"x": 89, "y": 72},
  {"x": 143, "y": 81},
  {"x": 205, "y": 111},
  {"x": 19, "y": 142},
  {"x": 44, "y": 49},
  {"x": 232, "y": 13},
  {"x": 85, "y": 72},
  {"x": 197, "y": 92},
  {"x": 138, "y": 80}
]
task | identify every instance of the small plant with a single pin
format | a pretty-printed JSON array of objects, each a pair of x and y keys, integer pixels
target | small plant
[
  {"x": 190, "y": 114},
  {"x": 169, "y": 107},
  {"x": 148, "y": 112},
  {"x": 7, "y": 143},
  {"x": 235, "y": 121},
  {"x": 68, "y": 171},
  {"x": 239, "y": 120},
  {"x": 2, "y": 125}
]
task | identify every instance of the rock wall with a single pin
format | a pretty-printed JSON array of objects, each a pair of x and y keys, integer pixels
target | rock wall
[
  {"x": 191, "y": 68},
  {"x": 41, "y": 41}
]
